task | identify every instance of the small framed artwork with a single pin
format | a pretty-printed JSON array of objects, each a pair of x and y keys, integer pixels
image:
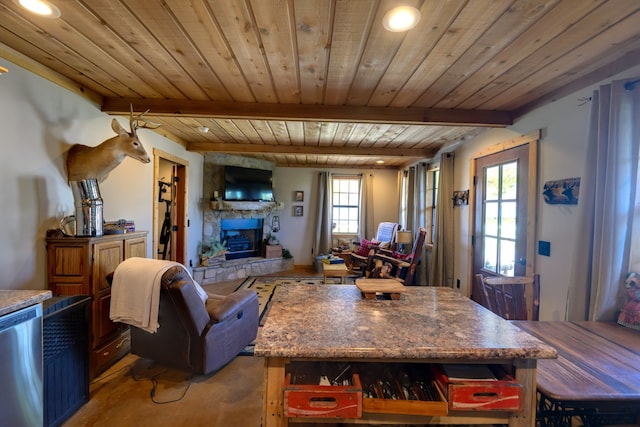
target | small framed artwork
[
  {"x": 297, "y": 210},
  {"x": 562, "y": 191},
  {"x": 298, "y": 196},
  {"x": 460, "y": 198}
]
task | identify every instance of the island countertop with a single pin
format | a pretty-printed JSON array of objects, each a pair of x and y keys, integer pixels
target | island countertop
[
  {"x": 14, "y": 300},
  {"x": 335, "y": 321}
]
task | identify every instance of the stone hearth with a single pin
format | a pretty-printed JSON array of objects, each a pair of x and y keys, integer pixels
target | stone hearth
[{"x": 240, "y": 269}]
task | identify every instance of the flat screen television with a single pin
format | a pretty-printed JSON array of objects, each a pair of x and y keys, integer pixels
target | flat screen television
[{"x": 247, "y": 184}]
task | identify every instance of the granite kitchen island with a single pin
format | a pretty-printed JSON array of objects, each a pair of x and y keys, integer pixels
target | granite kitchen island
[{"x": 427, "y": 325}]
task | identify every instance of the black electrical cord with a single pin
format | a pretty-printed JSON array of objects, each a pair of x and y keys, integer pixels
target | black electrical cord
[
  {"x": 154, "y": 386},
  {"x": 154, "y": 383}
]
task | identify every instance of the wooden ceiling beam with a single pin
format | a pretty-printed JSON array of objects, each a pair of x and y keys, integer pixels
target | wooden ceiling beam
[
  {"x": 312, "y": 150},
  {"x": 326, "y": 113}
]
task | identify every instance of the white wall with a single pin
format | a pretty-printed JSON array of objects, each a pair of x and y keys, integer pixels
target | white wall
[
  {"x": 564, "y": 126},
  {"x": 39, "y": 122},
  {"x": 297, "y": 233}
]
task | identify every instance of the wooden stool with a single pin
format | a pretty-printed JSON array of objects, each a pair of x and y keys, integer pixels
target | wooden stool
[
  {"x": 334, "y": 270},
  {"x": 371, "y": 287}
]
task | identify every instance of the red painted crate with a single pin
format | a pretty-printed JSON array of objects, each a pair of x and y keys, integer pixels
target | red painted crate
[
  {"x": 502, "y": 394},
  {"x": 323, "y": 401}
]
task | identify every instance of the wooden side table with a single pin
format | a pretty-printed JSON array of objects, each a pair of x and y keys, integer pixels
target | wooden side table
[
  {"x": 345, "y": 255},
  {"x": 335, "y": 270}
]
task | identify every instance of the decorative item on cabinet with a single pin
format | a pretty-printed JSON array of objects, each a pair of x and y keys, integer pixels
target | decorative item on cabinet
[{"x": 79, "y": 266}]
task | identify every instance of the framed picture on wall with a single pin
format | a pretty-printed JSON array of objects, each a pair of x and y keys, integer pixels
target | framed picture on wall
[
  {"x": 297, "y": 210},
  {"x": 298, "y": 196}
]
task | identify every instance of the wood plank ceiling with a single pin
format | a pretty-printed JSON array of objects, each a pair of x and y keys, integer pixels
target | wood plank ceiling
[{"x": 320, "y": 83}]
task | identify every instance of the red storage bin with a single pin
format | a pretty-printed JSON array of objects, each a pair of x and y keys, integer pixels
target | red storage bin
[
  {"x": 501, "y": 394},
  {"x": 323, "y": 401}
]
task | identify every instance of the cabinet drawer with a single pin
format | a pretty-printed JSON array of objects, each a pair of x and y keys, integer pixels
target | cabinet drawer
[
  {"x": 104, "y": 325},
  {"x": 69, "y": 261},
  {"x": 339, "y": 395},
  {"x": 68, "y": 288},
  {"x": 108, "y": 354}
]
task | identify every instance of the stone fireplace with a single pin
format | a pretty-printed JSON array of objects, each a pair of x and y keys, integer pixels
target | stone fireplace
[
  {"x": 242, "y": 224},
  {"x": 242, "y": 237},
  {"x": 245, "y": 224}
]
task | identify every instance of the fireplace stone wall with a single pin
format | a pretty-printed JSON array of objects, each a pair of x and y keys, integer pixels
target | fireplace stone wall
[
  {"x": 213, "y": 181},
  {"x": 216, "y": 210}
]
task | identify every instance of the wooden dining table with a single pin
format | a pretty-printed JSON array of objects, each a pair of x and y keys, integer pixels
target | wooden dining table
[{"x": 596, "y": 376}]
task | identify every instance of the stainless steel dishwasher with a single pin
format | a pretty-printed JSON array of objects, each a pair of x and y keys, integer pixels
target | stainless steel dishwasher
[{"x": 21, "y": 401}]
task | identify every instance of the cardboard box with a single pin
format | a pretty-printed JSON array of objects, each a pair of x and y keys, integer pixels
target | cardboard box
[{"x": 272, "y": 251}]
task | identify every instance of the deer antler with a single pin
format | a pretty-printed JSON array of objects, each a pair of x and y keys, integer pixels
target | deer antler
[{"x": 137, "y": 122}]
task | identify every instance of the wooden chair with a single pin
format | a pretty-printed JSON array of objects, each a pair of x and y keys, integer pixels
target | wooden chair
[
  {"x": 385, "y": 237},
  {"x": 479, "y": 292},
  {"x": 384, "y": 265},
  {"x": 513, "y": 298}
]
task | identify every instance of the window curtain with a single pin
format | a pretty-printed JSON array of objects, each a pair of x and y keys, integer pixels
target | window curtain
[
  {"x": 367, "y": 227},
  {"x": 441, "y": 269},
  {"x": 402, "y": 202},
  {"x": 608, "y": 193},
  {"x": 416, "y": 213},
  {"x": 410, "y": 214},
  {"x": 322, "y": 241}
]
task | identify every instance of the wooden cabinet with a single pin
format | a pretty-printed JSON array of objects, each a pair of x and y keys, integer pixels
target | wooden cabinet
[{"x": 79, "y": 266}]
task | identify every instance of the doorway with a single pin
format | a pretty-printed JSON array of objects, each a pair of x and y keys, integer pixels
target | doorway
[
  {"x": 169, "y": 207},
  {"x": 504, "y": 209}
]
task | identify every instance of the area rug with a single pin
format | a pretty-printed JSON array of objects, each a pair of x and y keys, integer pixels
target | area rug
[{"x": 267, "y": 287}]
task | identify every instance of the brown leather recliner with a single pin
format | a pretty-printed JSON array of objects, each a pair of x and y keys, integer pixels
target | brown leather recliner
[{"x": 193, "y": 336}]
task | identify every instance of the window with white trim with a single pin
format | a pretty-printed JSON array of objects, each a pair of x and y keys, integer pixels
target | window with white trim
[{"x": 345, "y": 203}]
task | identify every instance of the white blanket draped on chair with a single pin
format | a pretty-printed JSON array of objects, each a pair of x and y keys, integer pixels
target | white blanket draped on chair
[{"x": 135, "y": 292}]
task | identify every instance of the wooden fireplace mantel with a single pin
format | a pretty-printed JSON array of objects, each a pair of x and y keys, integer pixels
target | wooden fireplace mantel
[{"x": 223, "y": 205}]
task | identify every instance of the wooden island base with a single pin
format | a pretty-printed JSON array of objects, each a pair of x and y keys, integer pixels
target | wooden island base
[{"x": 334, "y": 323}]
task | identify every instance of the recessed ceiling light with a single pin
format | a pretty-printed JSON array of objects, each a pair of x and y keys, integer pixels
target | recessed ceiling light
[
  {"x": 379, "y": 162},
  {"x": 203, "y": 129},
  {"x": 40, "y": 7},
  {"x": 401, "y": 18}
]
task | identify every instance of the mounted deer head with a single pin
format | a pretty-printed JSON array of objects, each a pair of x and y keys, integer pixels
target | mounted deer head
[{"x": 85, "y": 162}]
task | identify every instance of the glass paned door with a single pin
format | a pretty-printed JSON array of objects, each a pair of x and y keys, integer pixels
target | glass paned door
[
  {"x": 500, "y": 204},
  {"x": 500, "y": 241}
]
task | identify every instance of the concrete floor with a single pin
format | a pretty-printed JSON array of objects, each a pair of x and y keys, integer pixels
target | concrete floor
[{"x": 230, "y": 397}]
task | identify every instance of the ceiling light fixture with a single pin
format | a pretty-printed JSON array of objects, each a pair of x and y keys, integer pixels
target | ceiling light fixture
[
  {"x": 203, "y": 129},
  {"x": 379, "y": 162},
  {"x": 40, "y": 7},
  {"x": 401, "y": 18}
]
